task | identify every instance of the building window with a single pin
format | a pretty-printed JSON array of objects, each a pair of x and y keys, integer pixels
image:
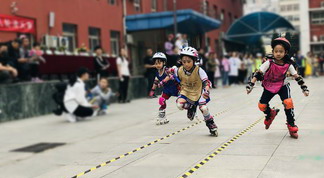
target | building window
[
  {"x": 322, "y": 38},
  {"x": 94, "y": 37},
  {"x": 112, "y": 2},
  {"x": 230, "y": 17},
  {"x": 165, "y": 4},
  {"x": 289, "y": 7},
  {"x": 70, "y": 32},
  {"x": 222, "y": 15},
  {"x": 283, "y": 8},
  {"x": 153, "y": 5},
  {"x": 137, "y": 5},
  {"x": 322, "y": 4},
  {"x": 114, "y": 42},
  {"x": 318, "y": 18},
  {"x": 296, "y": 7},
  {"x": 215, "y": 11}
]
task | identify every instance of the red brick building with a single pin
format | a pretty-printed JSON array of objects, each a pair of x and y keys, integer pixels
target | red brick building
[
  {"x": 92, "y": 22},
  {"x": 316, "y": 9}
]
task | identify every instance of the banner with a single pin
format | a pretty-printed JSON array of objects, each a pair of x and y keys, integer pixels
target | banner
[{"x": 16, "y": 24}]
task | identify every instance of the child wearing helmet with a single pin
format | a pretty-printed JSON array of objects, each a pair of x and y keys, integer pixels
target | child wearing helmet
[
  {"x": 195, "y": 87},
  {"x": 272, "y": 73},
  {"x": 163, "y": 79}
]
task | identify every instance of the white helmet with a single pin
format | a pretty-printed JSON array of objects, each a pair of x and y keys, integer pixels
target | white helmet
[
  {"x": 189, "y": 51},
  {"x": 160, "y": 55}
]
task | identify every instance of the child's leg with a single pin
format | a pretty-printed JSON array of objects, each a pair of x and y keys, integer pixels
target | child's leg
[
  {"x": 264, "y": 102},
  {"x": 285, "y": 97},
  {"x": 162, "y": 101},
  {"x": 182, "y": 103}
]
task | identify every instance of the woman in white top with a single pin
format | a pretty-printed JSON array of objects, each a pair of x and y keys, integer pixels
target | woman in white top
[
  {"x": 123, "y": 74},
  {"x": 75, "y": 101}
]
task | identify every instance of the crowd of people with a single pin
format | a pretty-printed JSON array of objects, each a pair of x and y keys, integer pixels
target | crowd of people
[{"x": 18, "y": 62}]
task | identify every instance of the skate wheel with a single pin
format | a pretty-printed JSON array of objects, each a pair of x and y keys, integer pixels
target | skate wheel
[
  {"x": 294, "y": 135},
  {"x": 214, "y": 133}
]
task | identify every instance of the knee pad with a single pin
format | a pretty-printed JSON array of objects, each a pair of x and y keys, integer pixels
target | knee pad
[
  {"x": 162, "y": 101},
  {"x": 204, "y": 109},
  {"x": 180, "y": 105},
  {"x": 288, "y": 103},
  {"x": 262, "y": 107}
]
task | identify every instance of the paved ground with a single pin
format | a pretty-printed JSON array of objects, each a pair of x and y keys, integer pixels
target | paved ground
[{"x": 256, "y": 153}]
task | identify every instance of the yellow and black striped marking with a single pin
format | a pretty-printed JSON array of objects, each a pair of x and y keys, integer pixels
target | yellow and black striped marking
[
  {"x": 218, "y": 150},
  {"x": 145, "y": 146}
]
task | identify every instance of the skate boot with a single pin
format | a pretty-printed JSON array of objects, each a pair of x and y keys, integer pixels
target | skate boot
[
  {"x": 212, "y": 126},
  {"x": 161, "y": 118},
  {"x": 268, "y": 120},
  {"x": 191, "y": 113},
  {"x": 293, "y": 130}
]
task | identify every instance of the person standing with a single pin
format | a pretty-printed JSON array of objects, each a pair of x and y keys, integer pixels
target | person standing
[
  {"x": 225, "y": 70},
  {"x": 235, "y": 63},
  {"x": 300, "y": 61},
  {"x": 123, "y": 74},
  {"x": 150, "y": 69},
  {"x": 211, "y": 68},
  {"x": 100, "y": 64}
]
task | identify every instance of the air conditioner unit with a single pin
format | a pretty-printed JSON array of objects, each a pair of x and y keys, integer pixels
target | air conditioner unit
[
  {"x": 50, "y": 41},
  {"x": 64, "y": 42},
  {"x": 130, "y": 39}
]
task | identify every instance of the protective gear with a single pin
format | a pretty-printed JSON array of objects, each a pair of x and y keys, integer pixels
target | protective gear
[
  {"x": 262, "y": 107},
  {"x": 300, "y": 80},
  {"x": 211, "y": 126},
  {"x": 162, "y": 101},
  {"x": 283, "y": 41},
  {"x": 304, "y": 88},
  {"x": 205, "y": 93},
  {"x": 288, "y": 103},
  {"x": 249, "y": 87},
  {"x": 161, "y": 84},
  {"x": 181, "y": 105},
  {"x": 258, "y": 75},
  {"x": 204, "y": 110},
  {"x": 206, "y": 83},
  {"x": 191, "y": 113},
  {"x": 161, "y": 56},
  {"x": 189, "y": 51}
]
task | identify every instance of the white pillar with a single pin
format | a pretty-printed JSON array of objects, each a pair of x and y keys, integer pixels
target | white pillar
[{"x": 304, "y": 26}]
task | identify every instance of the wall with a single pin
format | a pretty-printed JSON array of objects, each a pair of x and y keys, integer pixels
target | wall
[
  {"x": 25, "y": 100},
  {"x": 83, "y": 13}
]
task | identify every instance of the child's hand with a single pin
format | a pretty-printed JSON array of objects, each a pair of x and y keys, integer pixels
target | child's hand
[
  {"x": 305, "y": 90},
  {"x": 249, "y": 87},
  {"x": 151, "y": 93}
]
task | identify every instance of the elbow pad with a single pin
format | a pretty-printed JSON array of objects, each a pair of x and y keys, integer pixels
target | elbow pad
[{"x": 258, "y": 75}]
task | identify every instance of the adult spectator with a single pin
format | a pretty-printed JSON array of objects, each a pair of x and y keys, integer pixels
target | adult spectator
[
  {"x": 23, "y": 62},
  {"x": 75, "y": 101},
  {"x": 100, "y": 64},
  {"x": 211, "y": 68},
  {"x": 235, "y": 63},
  {"x": 7, "y": 72},
  {"x": 300, "y": 61},
  {"x": 150, "y": 69},
  {"x": 225, "y": 68},
  {"x": 203, "y": 60},
  {"x": 123, "y": 74},
  {"x": 13, "y": 52},
  {"x": 168, "y": 45}
]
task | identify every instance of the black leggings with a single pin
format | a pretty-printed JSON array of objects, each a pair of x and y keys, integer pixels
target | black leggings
[
  {"x": 82, "y": 111},
  {"x": 284, "y": 93},
  {"x": 123, "y": 89}
]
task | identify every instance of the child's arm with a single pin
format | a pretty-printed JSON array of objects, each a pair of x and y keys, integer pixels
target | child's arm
[
  {"x": 301, "y": 83},
  {"x": 257, "y": 76},
  {"x": 155, "y": 84},
  {"x": 205, "y": 82}
]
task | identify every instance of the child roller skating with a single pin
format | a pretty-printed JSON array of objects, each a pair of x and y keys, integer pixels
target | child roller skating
[
  {"x": 272, "y": 73},
  {"x": 162, "y": 79},
  {"x": 194, "y": 88}
]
